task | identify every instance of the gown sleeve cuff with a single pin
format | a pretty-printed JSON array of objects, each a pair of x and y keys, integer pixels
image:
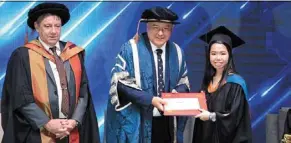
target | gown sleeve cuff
[{"x": 212, "y": 116}]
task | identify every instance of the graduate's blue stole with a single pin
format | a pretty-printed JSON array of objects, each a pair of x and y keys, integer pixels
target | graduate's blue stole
[{"x": 234, "y": 78}]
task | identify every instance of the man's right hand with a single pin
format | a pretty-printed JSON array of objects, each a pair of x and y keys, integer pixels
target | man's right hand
[
  {"x": 159, "y": 103},
  {"x": 54, "y": 126}
]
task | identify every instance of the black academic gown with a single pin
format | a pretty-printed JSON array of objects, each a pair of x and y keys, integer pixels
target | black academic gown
[
  {"x": 232, "y": 123},
  {"x": 287, "y": 126},
  {"x": 17, "y": 92}
]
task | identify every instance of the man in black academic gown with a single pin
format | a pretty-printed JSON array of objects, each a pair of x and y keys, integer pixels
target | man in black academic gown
[{"x": 46, "y": 97}]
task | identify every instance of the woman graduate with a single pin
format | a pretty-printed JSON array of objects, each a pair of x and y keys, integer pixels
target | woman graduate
[{"x": 227, "y": 119}]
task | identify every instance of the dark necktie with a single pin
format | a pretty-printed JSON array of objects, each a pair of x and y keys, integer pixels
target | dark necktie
[
  {"x": 160, "y": 72},
  {"x": 63, "y": 81}
]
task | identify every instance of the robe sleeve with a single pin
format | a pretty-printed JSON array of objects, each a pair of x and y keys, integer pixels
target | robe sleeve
[
  {"x": 35, "y": 116},
  {"x": 17, "y": 95},
  {"x": 228, "y": 122},
  {"x": 84, "y": 91},
  {"x": 124, "y": 91},
  {"x": 131, "y": 94},
  {"x": 89, "y": 129},
  {"x": 85, "y": 111}
]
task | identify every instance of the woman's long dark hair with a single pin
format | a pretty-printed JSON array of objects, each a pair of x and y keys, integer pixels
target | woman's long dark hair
[{"x": 210, "y": 70}]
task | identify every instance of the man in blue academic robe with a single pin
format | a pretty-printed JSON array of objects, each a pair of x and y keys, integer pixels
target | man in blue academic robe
[{"x": 146, "y": 66}]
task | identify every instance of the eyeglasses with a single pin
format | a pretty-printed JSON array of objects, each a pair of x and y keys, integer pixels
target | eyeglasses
[{"x": 157, "y": 29}]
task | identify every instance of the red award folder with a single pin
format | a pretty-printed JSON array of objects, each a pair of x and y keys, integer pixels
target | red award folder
[{"x": 184, "y": 104}]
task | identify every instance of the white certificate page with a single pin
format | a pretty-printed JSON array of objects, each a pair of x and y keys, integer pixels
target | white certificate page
[{"x": 182, "y": 104}]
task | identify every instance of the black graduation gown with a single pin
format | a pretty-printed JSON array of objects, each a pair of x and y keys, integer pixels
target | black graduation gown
[
  {"x": 17, "y": 92},
  {"x": 287, "y": 126},
  {"x": 232, "y": 123}
]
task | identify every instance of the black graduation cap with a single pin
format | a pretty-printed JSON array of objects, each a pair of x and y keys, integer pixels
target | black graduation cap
[
  {"x": 159, "y": 14},
  {"x": 224, "y": 35},
  {"x": 54, "y": 8}
]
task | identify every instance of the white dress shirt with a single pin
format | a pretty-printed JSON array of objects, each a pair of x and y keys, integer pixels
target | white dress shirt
[
  {"x": 154, "y": 48},
  {"x": 56, "y": 74}
]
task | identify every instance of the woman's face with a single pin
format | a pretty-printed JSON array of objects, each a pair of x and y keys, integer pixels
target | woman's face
[{"x": 218, "y": 56}]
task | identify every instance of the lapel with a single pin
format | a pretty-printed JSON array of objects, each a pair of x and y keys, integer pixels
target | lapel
[{"x": 49, "y": 71}]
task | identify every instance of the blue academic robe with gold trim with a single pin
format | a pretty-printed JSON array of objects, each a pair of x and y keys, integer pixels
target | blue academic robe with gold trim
[{"x": 133, "y": 85}]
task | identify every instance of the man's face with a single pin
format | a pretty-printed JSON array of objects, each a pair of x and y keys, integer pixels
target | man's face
[
  {"x": 159, "y": 33},
  {"x": 49, "y": 29}
]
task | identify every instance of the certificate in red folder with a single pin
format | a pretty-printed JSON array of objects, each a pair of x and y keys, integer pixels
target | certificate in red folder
[{"x": 184, "y": 104}]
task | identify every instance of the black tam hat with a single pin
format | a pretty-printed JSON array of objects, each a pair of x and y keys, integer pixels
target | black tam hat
[
  {"x": 53, "y": 8},
  {"x": 159, "y": 14}
]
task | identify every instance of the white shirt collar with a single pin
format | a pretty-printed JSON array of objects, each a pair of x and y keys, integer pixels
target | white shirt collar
[
  {"x": 154, "y": 48},
  {"x": 47, "y": 47}
]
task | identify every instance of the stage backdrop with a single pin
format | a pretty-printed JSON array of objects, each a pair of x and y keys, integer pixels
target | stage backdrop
[{"x": 102, "y": 27}]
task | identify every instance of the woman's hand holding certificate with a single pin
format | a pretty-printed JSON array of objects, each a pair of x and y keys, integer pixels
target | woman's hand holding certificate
[{"x": 184, "y": 104}]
